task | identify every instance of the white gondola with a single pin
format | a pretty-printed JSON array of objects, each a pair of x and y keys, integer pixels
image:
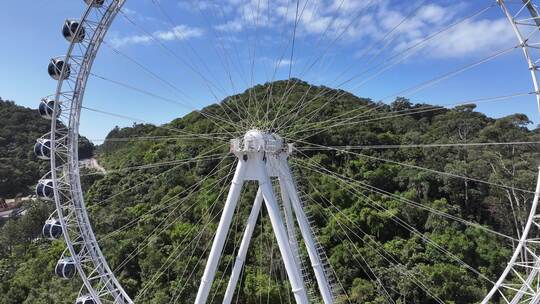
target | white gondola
[
  {"x": 87, "y": 299},
  {"x": 101, "y": 282},
  {"x": 55, "y": 69},
  {"x": 46, "y": 108},
  {"x": 95, "y": 3},
  {"x": 52, "y": 229},
  {"x": 42, "y": 149},
  {"x": 45, "y": 189},
  {"x": 65, "y": 268},
  {"x": 69, "y": 31}
]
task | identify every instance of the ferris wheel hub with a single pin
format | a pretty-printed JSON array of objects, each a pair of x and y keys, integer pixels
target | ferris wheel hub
[{"x": 257, "y": 141}]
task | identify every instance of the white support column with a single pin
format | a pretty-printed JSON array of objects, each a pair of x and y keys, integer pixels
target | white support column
[
  {"x": 274, "y": 214},
  {"x": 244, "y": 245},
  {"x": 221, "y": 233},
  {"x": 305, "y": 229},
  {"x": 289, "y": 221}
]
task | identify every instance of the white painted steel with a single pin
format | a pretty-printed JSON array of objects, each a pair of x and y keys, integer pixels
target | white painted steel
[
  {"x": 293, "y": 269},
  {"x": 221, "y": 233},
  {"x": 98, "y": 279},
  {"x": 307, "y": 235},
  {"x": 100, "y": 282},
  {"x": 244, "y": 246}
]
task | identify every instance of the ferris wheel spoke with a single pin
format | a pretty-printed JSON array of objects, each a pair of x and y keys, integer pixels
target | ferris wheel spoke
[
  {"x": 165, "y": 127},
  {"x": 408, "y": 227},
  {"x": 160, "y": 228},
  {"x": 216, "y": 136},
  {"x": 161, "y": 164},
  {"x": 148, "y": 71},
  {"x": 385, "y": 40},
  {"x": 208, "y": 211},
  {"x": 299, "y": 104},
  {"x": 400, "y": 57},
  {"x": 393, "y": 114},
  {"x": 171, "y": 23},
  {"x": 426, "y": 84},
  {"x": 177, "y": 292},
  {"x": 154, "y": 75},
  {"x": 226, "y": 62},
  {"x": 177, "y": 253},
  {"x": 231, "y": 234},
  {"x": 210, "y": 86},
  {"x": 213, "y": 118},
  {"x": 241, "y": 73},
  {"x": 347, "y": 180},
  {"x": 415, "y": 146},
  {"x": 173, "y": 257},
  {"x": 297, "y": 17},
  {"x": 176, "y": 297},
  {"x": 140, "y": 249},
  {"x": 153, "y": 234},
  {"x": 277, "y": 63},
  {"x": 396, "y": 59},
  {"x": 414, "y": 89},
  {"x": 255, "y": 43},
  {"x": 370, "y": 272},
  {"x": 442, "y": 173},
  {"x": 152, "y": 177},
  {"x": 181, "y": 37},
  {"x": 379, "y": 249}
]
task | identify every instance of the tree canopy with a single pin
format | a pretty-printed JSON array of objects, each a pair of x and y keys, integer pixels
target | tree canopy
[{"x": 369, "y": 198}]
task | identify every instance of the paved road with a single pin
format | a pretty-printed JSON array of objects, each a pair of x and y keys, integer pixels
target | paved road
[{"x": 91, "y": 163}]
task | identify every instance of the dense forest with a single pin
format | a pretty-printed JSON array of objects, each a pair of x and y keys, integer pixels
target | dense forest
[
  {"x": 20, "y": 127},
  {"x": 370, "y": 200}
]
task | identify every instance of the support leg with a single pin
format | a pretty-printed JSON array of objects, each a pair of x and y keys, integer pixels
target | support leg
[
  {"x": 305, "y": 229},
  {"x": 221, "y": 234},
  {"x": 274, "y": 214},
  {"x": 244, "y": 245},
  {"x": 289, "y": 222}
]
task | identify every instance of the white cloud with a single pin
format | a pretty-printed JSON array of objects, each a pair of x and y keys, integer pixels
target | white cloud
[
  {"x": 473, "y": 37},
  {"x": 365, "y": 22},
  {"x": 179, "y": 32},
  {"x": 285, "y": 63},
  {"x": 135, "y": 39},
  {"x": 230, "y": 26}
]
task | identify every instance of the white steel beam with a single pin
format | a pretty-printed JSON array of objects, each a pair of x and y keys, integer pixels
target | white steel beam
[
  {"x": 293, "y": 270},
  {"x": 244, "y": 245},
  {"x": 221, "y": 233},
  {"x": 289, "y": 221},
  {"x": 307, "y": 235}
]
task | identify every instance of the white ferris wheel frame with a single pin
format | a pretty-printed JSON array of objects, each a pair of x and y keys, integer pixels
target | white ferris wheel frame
[{"x": 99, "y": 281}]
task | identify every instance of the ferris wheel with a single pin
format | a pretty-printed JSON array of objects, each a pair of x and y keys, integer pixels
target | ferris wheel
[{"x": 262, "y": 148}]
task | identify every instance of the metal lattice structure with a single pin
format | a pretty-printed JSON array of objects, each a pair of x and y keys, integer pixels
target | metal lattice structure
[
  {"x": 261, "y": 156},
  {"x": 82, "y": 250}
]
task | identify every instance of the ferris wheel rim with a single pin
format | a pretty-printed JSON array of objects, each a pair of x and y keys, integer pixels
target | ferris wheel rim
[
  {"x": 72, "y": 138},
  {"x": 89, "y": 243}
]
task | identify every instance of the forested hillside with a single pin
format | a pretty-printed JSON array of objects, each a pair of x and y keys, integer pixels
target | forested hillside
[
  {"x": 20, "y": 127},
  {"x": 369, "y": 197}
]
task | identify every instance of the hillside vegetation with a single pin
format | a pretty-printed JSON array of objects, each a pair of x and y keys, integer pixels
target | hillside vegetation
[
  {"x": 20, "y": 169},
  {"x": 19, "y": 129},
  {"x": 375, "y": 237}
]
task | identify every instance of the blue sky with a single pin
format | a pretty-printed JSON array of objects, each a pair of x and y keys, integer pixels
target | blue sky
[{"x": 222, "y": 37}]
